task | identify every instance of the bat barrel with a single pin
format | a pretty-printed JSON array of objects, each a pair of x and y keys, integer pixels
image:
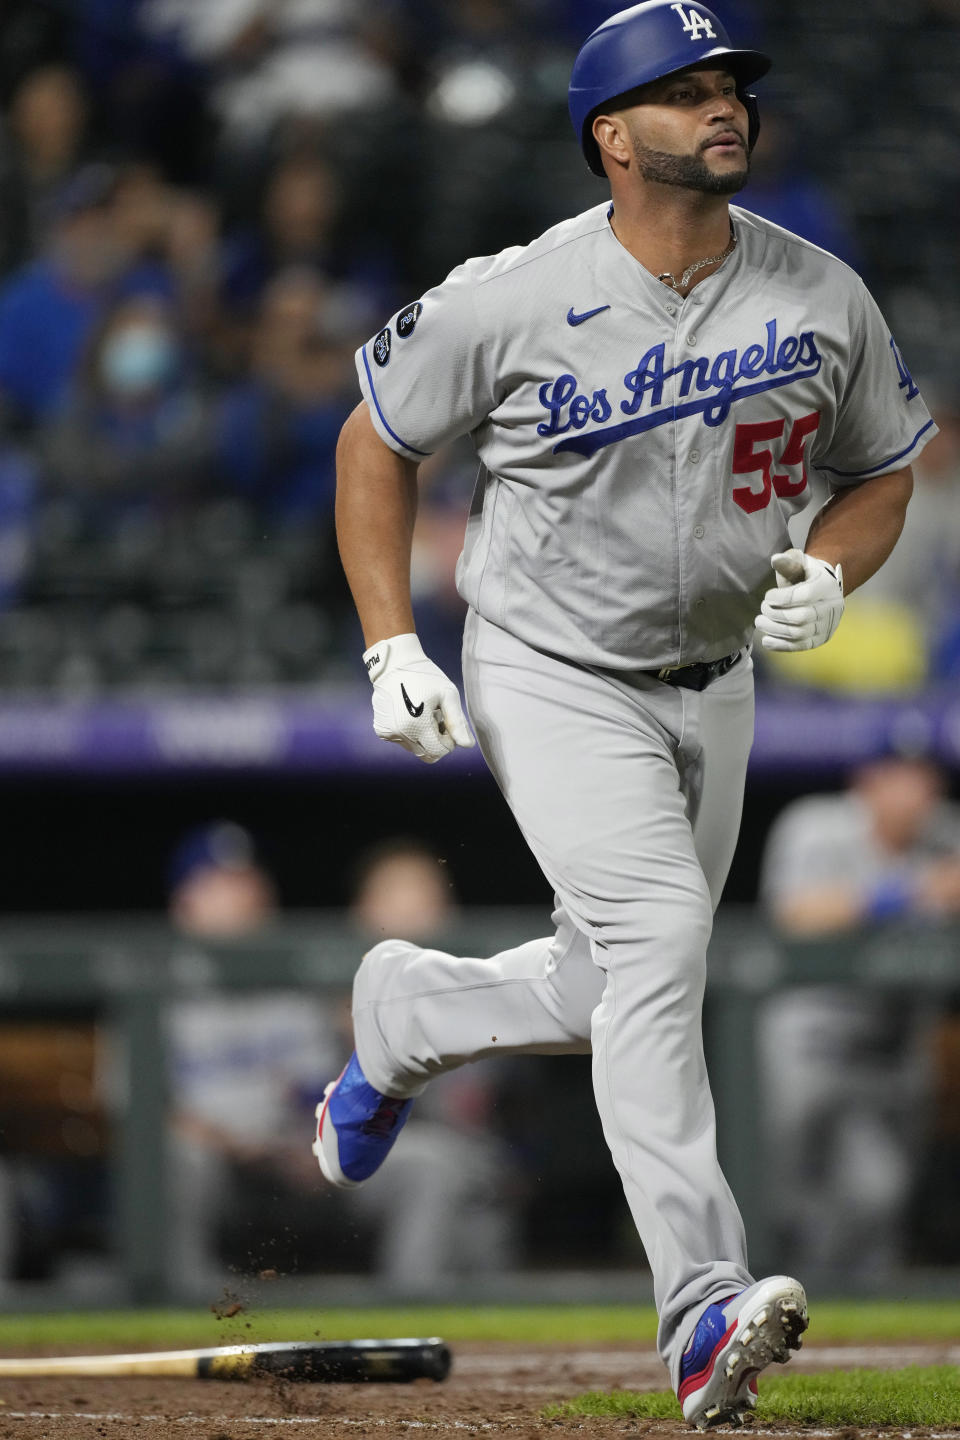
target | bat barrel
[{"x": 338, "y": 1361}]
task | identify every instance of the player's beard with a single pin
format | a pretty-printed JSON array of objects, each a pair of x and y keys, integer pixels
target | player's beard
[{"x": 691, "y": 172}]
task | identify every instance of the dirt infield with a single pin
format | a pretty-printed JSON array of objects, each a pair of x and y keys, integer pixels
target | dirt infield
[{"x": 492, "y": 1390}]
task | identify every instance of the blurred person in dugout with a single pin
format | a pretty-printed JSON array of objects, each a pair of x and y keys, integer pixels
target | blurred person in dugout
[
  {"x": 850, "y": 1073},
  {"x": 445, "y": 1203},
  {"x": 55, "y": 1146},
  {"x": 244, "y": 1067},
  {"x": 247, "y": 1068}
]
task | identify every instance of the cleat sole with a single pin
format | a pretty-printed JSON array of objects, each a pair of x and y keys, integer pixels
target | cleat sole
[{"x": 766, "y": 1332}]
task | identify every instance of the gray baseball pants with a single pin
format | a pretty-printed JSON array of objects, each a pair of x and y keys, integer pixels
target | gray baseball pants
[{"x": 629, "y": 793}]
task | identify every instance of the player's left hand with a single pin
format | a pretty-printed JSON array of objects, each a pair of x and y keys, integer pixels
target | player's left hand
[{"x": 805, "y": 608}]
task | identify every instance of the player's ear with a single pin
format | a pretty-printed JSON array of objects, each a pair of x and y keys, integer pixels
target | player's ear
[{"x": 613, "y": 138}]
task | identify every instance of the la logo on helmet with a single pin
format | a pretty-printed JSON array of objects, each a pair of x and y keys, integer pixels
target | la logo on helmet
[{"x": 695, "y": 24}]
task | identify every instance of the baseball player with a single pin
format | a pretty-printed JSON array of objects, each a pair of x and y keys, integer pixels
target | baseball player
[{"x": 649, "y": 386}]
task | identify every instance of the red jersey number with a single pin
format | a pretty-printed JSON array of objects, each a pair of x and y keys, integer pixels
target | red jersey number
[{"x": 751, "y": 456}]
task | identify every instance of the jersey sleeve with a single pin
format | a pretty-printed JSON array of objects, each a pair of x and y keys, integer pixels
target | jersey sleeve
[
  {"x": 425, "y": 375},
  {"x": 882, "y": 423}
]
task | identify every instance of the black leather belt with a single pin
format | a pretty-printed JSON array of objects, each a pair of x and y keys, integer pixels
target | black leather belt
[{"x": 699, "y": 676}]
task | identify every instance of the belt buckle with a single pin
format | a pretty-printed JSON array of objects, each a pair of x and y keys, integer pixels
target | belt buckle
[{"x": 666, "y": 671}]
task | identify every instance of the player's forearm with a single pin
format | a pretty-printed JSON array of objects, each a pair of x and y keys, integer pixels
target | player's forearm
[
  {"x": 375, "y": 514},
  {"x": 858, "y": 528}
]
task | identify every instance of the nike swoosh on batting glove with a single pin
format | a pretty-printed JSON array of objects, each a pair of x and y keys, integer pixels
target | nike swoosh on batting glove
[
  {"x": 805, "y": 608},
  {"x": 414, "y": 703}
]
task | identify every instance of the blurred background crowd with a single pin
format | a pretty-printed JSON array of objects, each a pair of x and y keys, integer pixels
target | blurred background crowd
[{"x": 205, "y": 207}]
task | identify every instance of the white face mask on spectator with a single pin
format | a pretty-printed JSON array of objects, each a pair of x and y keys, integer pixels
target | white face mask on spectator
[{"x": 137, "y": 359}]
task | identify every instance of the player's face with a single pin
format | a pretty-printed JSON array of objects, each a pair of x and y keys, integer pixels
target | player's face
[{"x": 691, "y": 130}]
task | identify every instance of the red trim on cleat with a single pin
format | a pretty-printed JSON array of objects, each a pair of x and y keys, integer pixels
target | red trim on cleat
[{"x": 693, "y": 1382}]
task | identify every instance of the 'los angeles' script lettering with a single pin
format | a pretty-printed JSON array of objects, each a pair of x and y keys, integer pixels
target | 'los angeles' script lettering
[{"x": 708, "y": 385}]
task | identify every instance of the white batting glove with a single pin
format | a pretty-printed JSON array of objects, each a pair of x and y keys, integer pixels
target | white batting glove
[
  {"x": 414, "y": 704},
  {"x": 806, "y": 606}
]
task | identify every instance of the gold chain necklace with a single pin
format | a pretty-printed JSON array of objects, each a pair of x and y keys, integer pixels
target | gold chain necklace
[{"x": 671, "y": 280}]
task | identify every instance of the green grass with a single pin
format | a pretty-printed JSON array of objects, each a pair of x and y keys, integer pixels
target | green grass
[
  {"x": 875, "y": 1321},
  {"x": 914, "y": 1396},
  {"x": 576, "y": 1325},
  {"x": 831, "y": 1322}
]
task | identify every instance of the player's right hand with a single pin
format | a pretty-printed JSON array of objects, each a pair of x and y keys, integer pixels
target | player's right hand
[{"x": 414, "y": 703}]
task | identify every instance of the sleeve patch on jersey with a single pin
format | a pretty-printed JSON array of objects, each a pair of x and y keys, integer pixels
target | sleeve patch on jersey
[
  {"x": 379, "y": 409},
  {"x": 907, "y": 381},
  {"x": 381, "y": 347},
  {"x": 407, "y": 320}
]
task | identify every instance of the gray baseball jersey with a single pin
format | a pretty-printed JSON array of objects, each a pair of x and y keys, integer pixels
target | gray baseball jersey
[{"x": 641, "y": 453}]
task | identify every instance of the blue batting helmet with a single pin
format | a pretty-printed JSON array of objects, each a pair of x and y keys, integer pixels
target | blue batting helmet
[{"x": 648, "y": 42}]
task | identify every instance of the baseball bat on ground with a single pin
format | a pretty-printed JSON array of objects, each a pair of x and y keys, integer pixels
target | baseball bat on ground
[{"x": 323, "y": 1361}]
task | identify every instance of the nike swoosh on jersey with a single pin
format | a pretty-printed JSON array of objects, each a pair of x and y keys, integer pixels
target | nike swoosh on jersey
[{"x": 573, "y": 319}]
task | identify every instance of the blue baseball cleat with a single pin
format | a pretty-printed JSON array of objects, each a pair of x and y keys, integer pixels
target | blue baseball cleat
[
  {"x": 734, "y": 1340},
  {"x": 357, "y": 1126}
]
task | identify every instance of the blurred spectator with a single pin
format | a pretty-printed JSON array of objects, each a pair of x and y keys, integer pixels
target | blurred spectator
[
  {"x": 117, "y": 233},
  {"x": 272, "y": 59},
  {"x": 31, "y": 35},
  {"x": 782, "y": 190},
  {"x": 493, "y": 103},
  {"x": 141, "y": 211},
  {"x": 245, "y": 1071},
  {"x": 150, "y": 95},
  {"x": 40, "y": 153},
  {"x": 18, "y": 496},
  {"x": 446, "y": 1203},
  {"x": 133, "y": 434},
  {"x": 278, "y": 429},
  {"x": 49, "y": 308},
  {"x": 845, "y": 1069},
  {"x": 300, "y": 224},
  {"x": 300, "y": 205},
  {"x": 171, "y": 240}
]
